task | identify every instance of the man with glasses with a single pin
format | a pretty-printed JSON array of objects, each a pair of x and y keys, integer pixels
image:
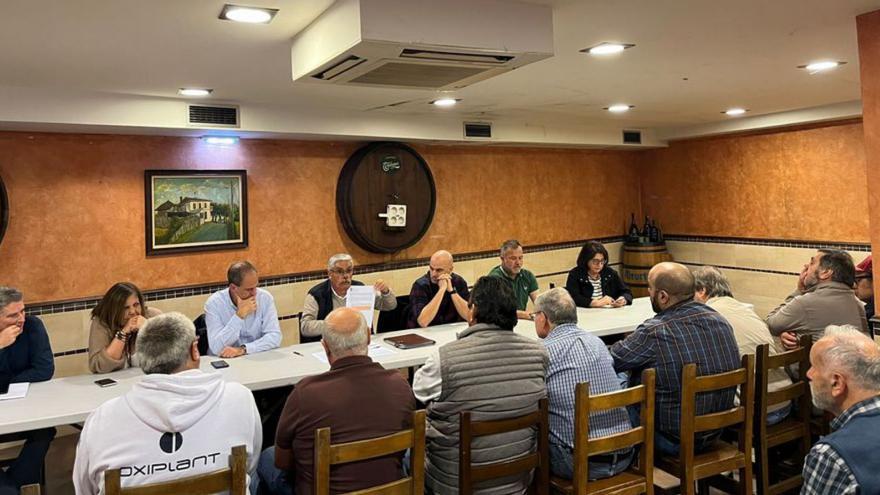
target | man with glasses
[
  {"x": 577, "y": 356},
  {"x": 522, "y": 281},
  {"x": 331, "y": 294},
  {"x": 439, "y": 296},
  {"x": 242, "y": 318}
]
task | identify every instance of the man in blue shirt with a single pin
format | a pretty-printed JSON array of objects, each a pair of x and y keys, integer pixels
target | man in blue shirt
[
  {"x": 241, "y": 319},
  {"x": 577, "y": 356},
  {"x": 25, "y": 356}
]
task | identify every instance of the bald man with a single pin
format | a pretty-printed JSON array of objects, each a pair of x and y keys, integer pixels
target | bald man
[
  {"x": 845, "y": 381},
  {"x": 382, "y": 399},
  {"x": 440, "y": 296},
  {"x": 683, "y": 331}
]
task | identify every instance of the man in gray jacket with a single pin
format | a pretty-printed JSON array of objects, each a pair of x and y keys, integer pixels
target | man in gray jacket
[
  {"x": 824, "y": 296},
  {"x": 490, "y": 371}
]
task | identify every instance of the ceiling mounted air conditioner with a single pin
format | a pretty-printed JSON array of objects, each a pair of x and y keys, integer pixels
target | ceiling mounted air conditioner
[{"x": 421, "y": 44}]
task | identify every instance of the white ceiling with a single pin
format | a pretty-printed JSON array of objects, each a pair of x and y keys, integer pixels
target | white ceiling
[{"x": 102, "y": 63}]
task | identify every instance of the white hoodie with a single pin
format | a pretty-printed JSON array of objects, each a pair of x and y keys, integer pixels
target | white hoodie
[{"x": 167, "y": 427}]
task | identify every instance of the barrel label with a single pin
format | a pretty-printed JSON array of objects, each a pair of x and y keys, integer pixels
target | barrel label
[
  {"x": 390, "y": 164},
  {"x": 635, "y": 276}
]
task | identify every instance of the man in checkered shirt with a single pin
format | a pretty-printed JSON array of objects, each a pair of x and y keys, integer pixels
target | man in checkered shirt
[
  {"x": 577, "y": 356},
  {"x": 845, "y": 381}
]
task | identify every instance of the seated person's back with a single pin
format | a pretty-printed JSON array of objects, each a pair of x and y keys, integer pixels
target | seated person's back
[
  {"x": 682, "y": 332},
  {"x": 490, "y": 371},
  {"x": 177, "y": 422},
  {"x": 357, "y": 399}
]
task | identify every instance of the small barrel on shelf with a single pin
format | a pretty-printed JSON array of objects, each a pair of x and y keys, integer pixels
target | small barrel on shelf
[{"x": 638, "y": 258}]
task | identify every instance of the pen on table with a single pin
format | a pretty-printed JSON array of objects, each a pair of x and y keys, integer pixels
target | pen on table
[{"x": 297, "y": 353}]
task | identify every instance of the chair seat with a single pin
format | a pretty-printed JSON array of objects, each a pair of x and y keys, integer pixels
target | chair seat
[
  {"x": 784, "y": 431},
  {"x": 722, "y": 458},
  {"x": 624, "y": 483}
]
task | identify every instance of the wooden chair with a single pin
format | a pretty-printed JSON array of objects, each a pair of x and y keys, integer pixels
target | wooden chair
[
  {"x": 723, "y": 457},
  {"x": 327, "y": 455},
  {"x": 30, "y": 489},
  {"x": 633, "y": 481},
  {"x": 795, "y": 428},
  {"x": 469, "y": 474},
  {"x": 233, "y": 479}
]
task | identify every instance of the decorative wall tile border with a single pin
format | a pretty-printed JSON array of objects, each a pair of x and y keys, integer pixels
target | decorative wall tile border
[
  {"x": 740, "y": 268},
  {"x": 53, "y": 307},
  {"x": 773, "y": 242}
]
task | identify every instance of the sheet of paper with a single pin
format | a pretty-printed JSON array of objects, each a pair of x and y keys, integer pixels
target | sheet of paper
[
  {"x": 362, "y": 298},
  {"x": 16, "y": 391},
  {"x": 376, "y": 351}
]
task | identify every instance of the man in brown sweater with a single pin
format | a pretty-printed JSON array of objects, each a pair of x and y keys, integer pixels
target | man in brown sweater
[
  {"x": 356, "y": 398},
  {"x": 824, "y": 296}
]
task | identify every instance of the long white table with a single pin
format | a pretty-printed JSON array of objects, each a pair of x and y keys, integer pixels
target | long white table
[{"x": 70, "y": 400}]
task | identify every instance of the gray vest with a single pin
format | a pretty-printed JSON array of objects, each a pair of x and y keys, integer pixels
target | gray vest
[{"x": 495, "y": 374}]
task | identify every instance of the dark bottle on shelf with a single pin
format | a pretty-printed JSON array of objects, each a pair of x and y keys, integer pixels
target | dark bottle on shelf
[
  {"x": 654, "y": 232},
  {"x": 646, "y": 230},
  {"x": 633, "y": 229}
]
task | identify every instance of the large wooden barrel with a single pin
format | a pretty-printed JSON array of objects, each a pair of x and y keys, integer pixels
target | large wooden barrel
[{"x": 638, "y": 260}]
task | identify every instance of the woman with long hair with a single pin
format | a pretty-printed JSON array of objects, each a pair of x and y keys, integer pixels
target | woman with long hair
[
  {"x": 594, "y": 284},
  {"x": 115, "y": 323}
]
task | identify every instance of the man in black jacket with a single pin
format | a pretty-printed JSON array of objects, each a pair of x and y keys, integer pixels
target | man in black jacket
[{"x": 25, "y": 356}]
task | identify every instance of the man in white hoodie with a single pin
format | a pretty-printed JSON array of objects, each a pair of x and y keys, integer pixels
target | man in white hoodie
[{"x": 177, "y": 422}]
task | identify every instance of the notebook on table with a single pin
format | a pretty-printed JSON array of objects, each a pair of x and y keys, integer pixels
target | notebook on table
[{"x": 409, "y": 341}]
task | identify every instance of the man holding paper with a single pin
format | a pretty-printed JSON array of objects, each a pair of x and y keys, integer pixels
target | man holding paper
[
  {"x": 334, "y": 293},
  {"x": 25, "y": 356}
]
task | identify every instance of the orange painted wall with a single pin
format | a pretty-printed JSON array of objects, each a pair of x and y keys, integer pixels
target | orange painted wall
[
  {"x": 77, "y": 206},
  {"x": 868, "y": 26},
  {"x": 805, "y": 184}
]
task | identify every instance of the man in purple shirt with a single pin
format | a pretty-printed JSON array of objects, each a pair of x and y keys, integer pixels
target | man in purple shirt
[{"x": 440, "y": 296}]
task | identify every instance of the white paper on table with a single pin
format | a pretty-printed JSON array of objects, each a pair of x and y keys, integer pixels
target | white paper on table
[
  {"x": 376, "y": 351},
  {"x": 362, "y": 298},
  {"x": 16, "y": 391}
]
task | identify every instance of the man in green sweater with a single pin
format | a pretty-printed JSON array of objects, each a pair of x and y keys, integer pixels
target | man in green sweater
[{"x": 522, "y": 281}]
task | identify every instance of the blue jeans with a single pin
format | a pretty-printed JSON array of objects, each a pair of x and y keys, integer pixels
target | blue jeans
[
  {"x": 562, "y": 464},
  {"x": 665, "y": 445},
  {"x": 775, "y": 417},
  {"x": 28, "y": 467},
  {"x": 274, "y": 479}
]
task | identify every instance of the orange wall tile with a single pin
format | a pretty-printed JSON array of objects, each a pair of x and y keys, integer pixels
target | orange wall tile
[
  {"x": 801, "y": 184},
  {"x": 77, "y": 206}
]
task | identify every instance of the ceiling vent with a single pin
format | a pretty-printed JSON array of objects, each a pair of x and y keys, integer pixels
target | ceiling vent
[
  {"x": 632, "y": 137},
  {"x": 478, "y": 130},
  {"x": 419, "y": 43},
  {"x": 213, "y": 116}
]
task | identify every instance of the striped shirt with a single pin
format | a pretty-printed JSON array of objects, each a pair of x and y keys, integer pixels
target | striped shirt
[
  {"x": 597, "y": 287},
  {"x": 577, "y": 356},
  {"x": 825, "y": 471},
  {"x": 689, "y": 332}
]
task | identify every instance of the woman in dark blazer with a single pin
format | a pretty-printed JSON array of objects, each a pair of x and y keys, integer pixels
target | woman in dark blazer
[{"x": 593, "y": 284}]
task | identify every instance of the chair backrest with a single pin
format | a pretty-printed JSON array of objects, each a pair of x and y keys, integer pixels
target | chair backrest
[
  {"x": 396, "y": 319},
  {"x": 232, "y": 479},
  {"x": 584, "y": 405},
  {"x": 202, "y": 333},
  {"x": 691, "y": 423},
  {"x": 798, "y": 391},
  {"x": 327, "y": 454},
  {"x": 468, "y": 474},
  {"x": 30, "y": 489}
]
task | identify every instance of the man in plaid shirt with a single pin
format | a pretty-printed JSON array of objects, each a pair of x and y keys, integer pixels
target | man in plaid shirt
[
  {"x": 845, "y": 381},
  {"x": 683, "y": 331},
  {"x": 577, "y": 356}
]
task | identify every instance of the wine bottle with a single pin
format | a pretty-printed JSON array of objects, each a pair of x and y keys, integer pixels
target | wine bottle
[
  {"x": 633, "y": 228},
  {"x": 646, "y": 231},
  {"x": 653, "y": 233}
]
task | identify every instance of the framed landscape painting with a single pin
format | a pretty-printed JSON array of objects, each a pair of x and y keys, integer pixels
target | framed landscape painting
[{"x": 195, "y": 210}]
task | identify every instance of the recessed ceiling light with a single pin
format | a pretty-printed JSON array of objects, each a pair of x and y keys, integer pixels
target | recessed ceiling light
[
  {"x": 222, "y": 140},
  {"x": 619, "y": 108},
  {"x": 821, "y": 66},
  {"x": 607, "y": 48},
  {"x": 250, "y": 15},
  {"x": 733, "y": 112},
  {"x": 194, "y": 91},
  {"x": 445, "y": 102}
]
